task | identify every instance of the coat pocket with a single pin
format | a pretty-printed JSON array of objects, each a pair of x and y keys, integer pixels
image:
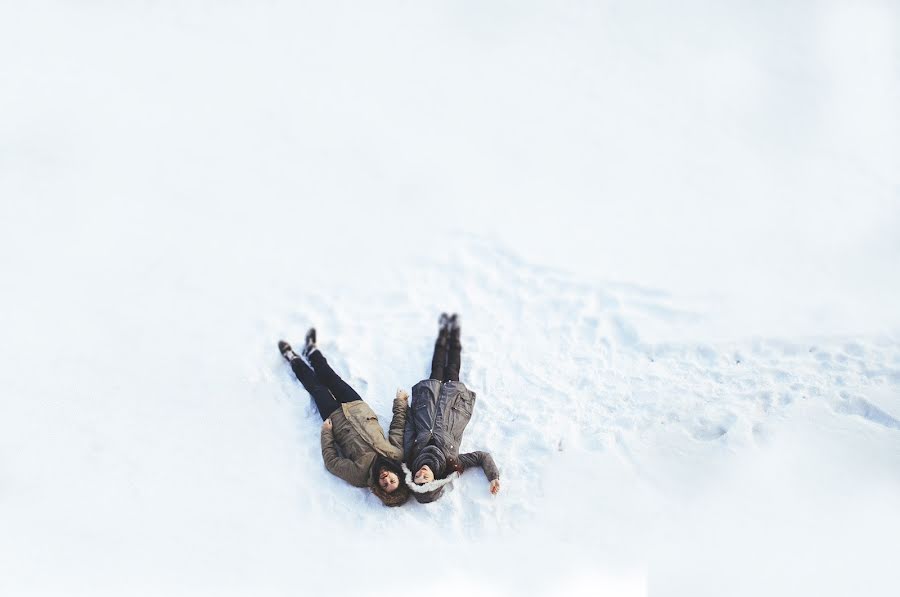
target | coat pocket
[
  {"x": 421, "y": 413},
  {"x": 463, "y": 406}
]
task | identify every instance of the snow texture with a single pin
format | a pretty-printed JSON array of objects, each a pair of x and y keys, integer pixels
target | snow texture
[{"x": 670, "y": 230}]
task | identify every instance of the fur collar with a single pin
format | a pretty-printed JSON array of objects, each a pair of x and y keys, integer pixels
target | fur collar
[{"x": 427, "y": 487}]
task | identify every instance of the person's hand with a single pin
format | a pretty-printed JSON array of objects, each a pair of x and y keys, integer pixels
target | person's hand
[
  {"x": 495, "y": 486},
  {"x": 401, "y": 393},
  {"x": 327, "y": 424}
]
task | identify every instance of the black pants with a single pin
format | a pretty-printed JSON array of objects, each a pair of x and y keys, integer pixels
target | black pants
[
  {"x": 447, "y": 357},
  {"x": 325, "y": 386}
]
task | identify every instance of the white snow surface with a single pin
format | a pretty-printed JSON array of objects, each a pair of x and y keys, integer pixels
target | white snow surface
[{"x": 671, "y": 231}]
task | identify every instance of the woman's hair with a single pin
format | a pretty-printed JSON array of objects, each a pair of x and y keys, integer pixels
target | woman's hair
[{"x": 397, "y": 497}]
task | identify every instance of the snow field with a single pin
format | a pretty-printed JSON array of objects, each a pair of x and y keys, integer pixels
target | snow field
[{"x": 670, "y": 231}]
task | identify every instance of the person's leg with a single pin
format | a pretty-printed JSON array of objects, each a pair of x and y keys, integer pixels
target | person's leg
[
  {"x": 439, "y": 359},
  {"x": 341, "y": 389},
  {"x": 454, "y": 357},
  {"x": 325, "y": 402}
]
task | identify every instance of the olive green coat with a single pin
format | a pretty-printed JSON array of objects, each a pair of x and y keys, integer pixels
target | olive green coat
[{"x": 358, "y": 435}]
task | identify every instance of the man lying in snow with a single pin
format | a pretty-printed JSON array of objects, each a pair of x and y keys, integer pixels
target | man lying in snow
[
  {"x": 441, "y": 409},
  {"x": 367, "y": 459}
]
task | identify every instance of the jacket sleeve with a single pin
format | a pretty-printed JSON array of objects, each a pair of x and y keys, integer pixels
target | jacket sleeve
[
  {"x": 398, "y": 423},
  {"x": 337, "y": 465},
  {"x": 482, "y": 459},
  {"x": 409, "y": 435}
]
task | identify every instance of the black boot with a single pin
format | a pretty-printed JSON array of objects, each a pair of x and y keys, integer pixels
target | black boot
[
  {"x": 453, "y": 324},
  {"x": 286, "y": 351},
  {"x": 443, "y": 323},
  {"x": 310, "y": 342}
]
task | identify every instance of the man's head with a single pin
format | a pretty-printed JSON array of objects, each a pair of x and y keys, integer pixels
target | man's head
[{"x": 423, "y": 475}]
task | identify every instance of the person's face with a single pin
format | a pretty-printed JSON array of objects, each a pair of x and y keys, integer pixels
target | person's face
[
  {"x": 388, "y": 480},
  {"x": 424, "y": 475}
]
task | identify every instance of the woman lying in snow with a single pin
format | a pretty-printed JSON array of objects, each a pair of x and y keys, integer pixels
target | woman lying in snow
[
  {"x": 441, "y": 409},
  {"x": 367, "y": 459}
]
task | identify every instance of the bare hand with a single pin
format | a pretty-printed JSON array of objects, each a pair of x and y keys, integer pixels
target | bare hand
[
  {"x": 401, "y": 393},
  {"x": 327, "y": 424},
  {"x": 495, "y": 486}
]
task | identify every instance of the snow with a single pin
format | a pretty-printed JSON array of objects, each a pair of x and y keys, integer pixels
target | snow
[{"x": 671, "y": 234}]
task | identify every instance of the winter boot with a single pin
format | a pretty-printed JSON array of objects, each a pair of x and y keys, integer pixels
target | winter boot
[
  {"x": 286, "y": 351},
  {"x": 310, "y": 346}
]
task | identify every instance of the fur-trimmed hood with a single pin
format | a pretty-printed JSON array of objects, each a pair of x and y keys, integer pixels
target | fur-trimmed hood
[{"x": 427, "y": 492}]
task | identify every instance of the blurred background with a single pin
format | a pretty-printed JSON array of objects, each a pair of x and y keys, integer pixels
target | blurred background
[{"x": 745, "y": 152}]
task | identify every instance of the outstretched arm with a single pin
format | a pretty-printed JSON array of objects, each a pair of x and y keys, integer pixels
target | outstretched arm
[
  {"x": 398, "y": 423},
  {"x": 487, "y": 464},
  {"x": 336, "y": 464}
]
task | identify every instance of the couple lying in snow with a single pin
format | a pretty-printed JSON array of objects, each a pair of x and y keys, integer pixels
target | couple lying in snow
[{"x": 423, "y": 437}]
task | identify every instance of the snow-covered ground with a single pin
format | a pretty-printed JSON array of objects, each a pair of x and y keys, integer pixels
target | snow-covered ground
[{"x": 671, "y": 231}]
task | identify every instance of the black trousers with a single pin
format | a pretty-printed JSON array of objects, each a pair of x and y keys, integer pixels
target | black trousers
[
  {"x": 447, "y": 357},
  {"x": 325, "y": 386}
]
